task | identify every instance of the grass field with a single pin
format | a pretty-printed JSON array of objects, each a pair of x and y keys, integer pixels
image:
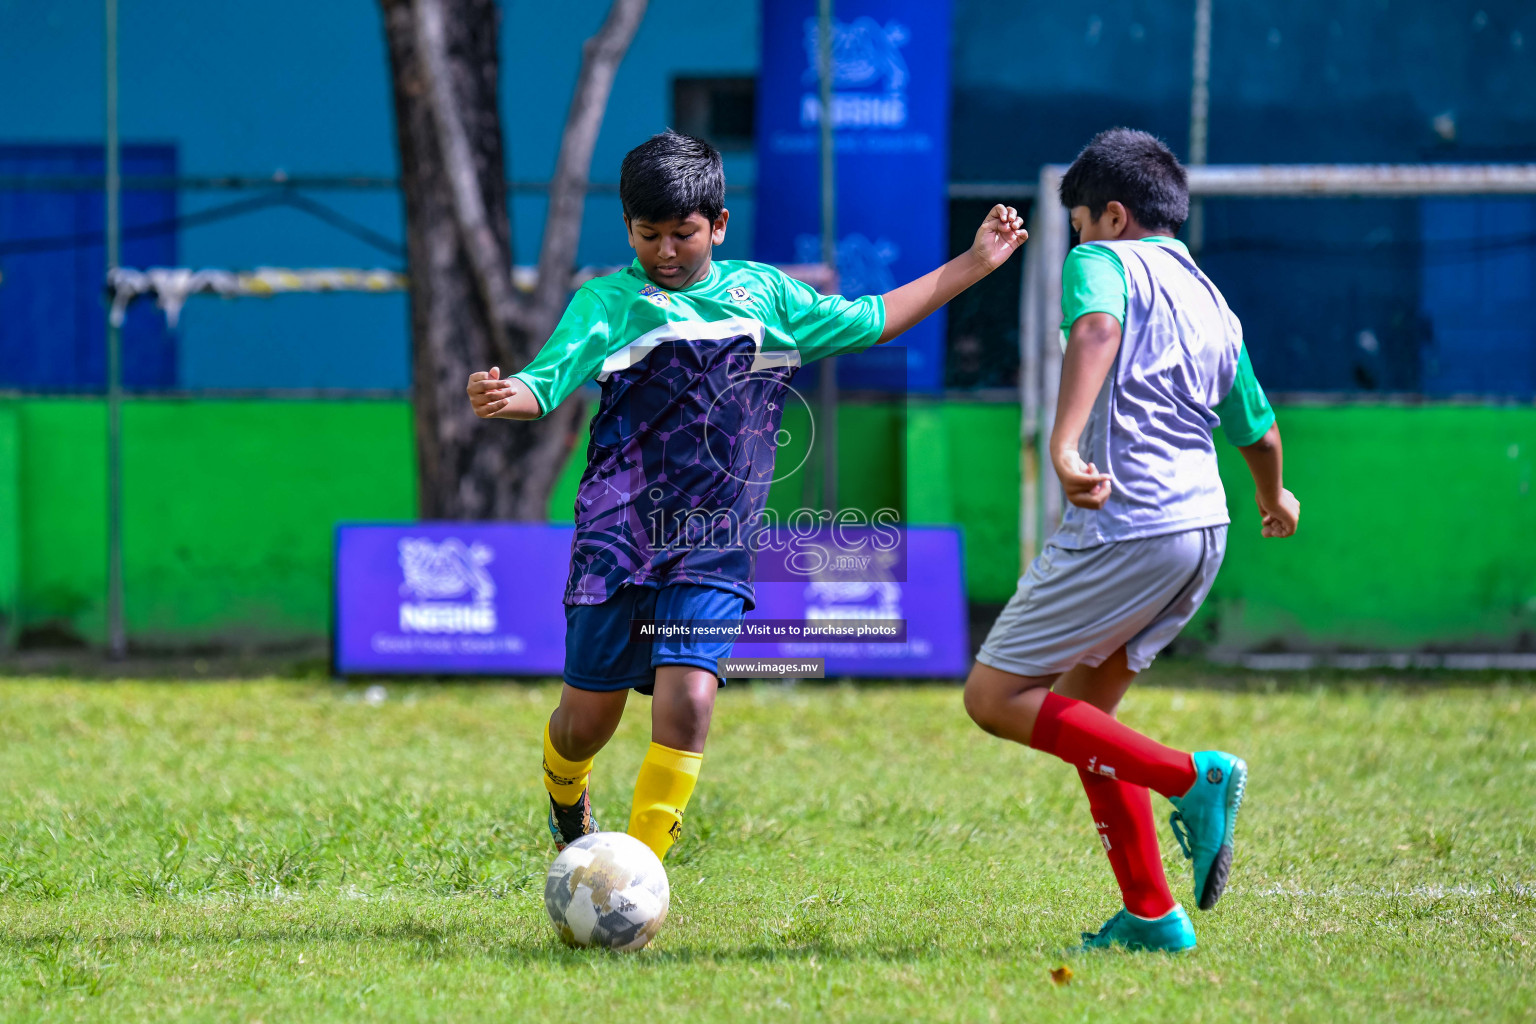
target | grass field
[{"x": 286, "y": 851}]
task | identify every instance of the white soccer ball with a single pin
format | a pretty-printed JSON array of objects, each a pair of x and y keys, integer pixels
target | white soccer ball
[{"x": 607, "y": 889}]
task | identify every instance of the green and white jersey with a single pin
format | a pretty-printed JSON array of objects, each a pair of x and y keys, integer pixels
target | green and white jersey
[
  {"x": 684, "y": 437},
  {"x": 1182, "y": 369}
]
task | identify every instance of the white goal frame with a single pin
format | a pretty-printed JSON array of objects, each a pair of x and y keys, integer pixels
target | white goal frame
[{"x": 1040, "y": 499}]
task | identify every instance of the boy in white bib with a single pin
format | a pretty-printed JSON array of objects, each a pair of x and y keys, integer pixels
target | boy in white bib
[{"x": 1154, "y": 362}]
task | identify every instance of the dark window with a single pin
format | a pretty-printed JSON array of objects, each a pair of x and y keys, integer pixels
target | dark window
[
  {"x": 720, "y": 110},
  {"x": 983, "y": 326}
]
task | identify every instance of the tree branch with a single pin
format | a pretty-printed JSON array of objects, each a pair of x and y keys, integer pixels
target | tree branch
[
  {"x": 600, "y": 58},
  {"x": 493, "y": 275}
]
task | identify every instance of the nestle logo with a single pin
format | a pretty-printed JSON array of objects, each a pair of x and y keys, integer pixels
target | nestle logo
[
  {"x": 449, "y": 569},
  {"x": 435, "y": 573}
]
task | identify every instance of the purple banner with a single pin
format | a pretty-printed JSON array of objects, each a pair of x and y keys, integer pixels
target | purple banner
[
  {"x": 930, "y": 598},
  {"x": 451, "y": 598},
  {"x": 485, "y": 599}
]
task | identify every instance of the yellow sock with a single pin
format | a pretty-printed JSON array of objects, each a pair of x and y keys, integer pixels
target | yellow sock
[
  {"x": 662, "y": 790},
  {"x": 564, "y": 778}
]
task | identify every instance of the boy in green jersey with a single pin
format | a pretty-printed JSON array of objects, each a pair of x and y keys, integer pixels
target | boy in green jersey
[{"x": 694, "y": 357}]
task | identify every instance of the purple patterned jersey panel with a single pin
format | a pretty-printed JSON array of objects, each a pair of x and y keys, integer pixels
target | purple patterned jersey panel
[{"x": 678, "y": 469}]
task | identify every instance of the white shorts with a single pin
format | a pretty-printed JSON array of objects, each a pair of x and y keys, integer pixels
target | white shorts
[{"x": 1077, "y": 606}]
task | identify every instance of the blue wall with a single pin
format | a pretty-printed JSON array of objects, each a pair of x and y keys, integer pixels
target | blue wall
[
  {"x": 1334, "y": 296},
  {"x": 1478, "y": 298},
  {"x": 1292, "y": 81},
  {"x": 238, "y": 90},
  {"x": 303, "y": 87}
]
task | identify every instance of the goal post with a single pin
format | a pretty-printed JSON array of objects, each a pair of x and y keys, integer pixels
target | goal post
[{"x": 1040, "y": 504}]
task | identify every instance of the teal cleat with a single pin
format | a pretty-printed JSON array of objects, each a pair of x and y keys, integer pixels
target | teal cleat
[
  {"x": 1203, "y": 820},
  {"x": 1171, "y": 933}
]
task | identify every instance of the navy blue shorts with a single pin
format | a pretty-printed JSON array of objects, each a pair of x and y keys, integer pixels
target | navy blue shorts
[{"x": 599, "y": 655}]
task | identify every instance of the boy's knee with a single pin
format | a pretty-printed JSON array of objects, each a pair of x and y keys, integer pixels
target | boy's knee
[
  {"x": 1003, "y": 703},
  {"x": 577, "y": 736},
  {"x": 692, "y": 707},
  {"x": 684, "y": 703},
  {"x": 982, "y": 703}
]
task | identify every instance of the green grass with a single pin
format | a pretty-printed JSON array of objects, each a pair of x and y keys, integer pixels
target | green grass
[{"x": 286, "y": 851}]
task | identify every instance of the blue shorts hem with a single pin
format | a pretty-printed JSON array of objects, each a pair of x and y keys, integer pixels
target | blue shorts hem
[
  {"x": 646, "y": 683},
  {"x": 691, "y": 660},
  {"x": 609, "y": 685}
]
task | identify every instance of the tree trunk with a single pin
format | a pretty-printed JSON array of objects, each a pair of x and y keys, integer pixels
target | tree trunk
[{"x": 464, "y": 316}]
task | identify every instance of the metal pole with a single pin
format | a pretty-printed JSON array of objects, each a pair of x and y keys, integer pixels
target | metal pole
[
  {"x": 1030, "y": 340},
  {"x": 1053, "y": 241},
  {"x": 1199, "y": 117},
  {"x": 117, "y": 637},
  {"x": 828, "y": 378}
]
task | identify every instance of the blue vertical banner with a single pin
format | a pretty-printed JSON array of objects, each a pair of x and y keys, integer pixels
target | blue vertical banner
[{"x": 890, "y": 117}]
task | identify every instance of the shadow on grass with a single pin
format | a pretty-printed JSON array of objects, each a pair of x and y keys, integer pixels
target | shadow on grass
[
  {"x": 754, "y": 953},
  {"x": 309, "y": 663},
  {"x": 435, "y": 943}
]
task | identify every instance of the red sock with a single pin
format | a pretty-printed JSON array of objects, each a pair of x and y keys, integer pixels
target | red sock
[
  {"x": 1082, "y": 735},
  {"x": 1123, "y": 815}
]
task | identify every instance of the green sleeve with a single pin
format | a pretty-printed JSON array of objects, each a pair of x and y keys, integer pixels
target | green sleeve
[
  {"x": 1092, "y": 281},
  {"x": 573, "y": 354},
  {"x": 1245, "y": 413},
  {"x": 828, "y": 325}
]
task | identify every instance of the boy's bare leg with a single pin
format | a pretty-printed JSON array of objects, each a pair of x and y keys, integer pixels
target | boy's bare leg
[
  {"x": 681, "y": 708},
  {"x": 577, "y": 730},
  {"x": 1023, "y": 709},
  {"x": 1010, "y": 702},
  {"x": 1102, "y": 685},
  {"x": 585, "y": 720},
  {"x": 1005, "y": 704}
]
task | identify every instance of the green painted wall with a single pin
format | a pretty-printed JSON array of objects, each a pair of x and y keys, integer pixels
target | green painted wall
[
  {"x": 963, "y": 460},
  {"x": 1418, "y": 529},
  {"x": 10, "y": 525},
  {"x": 1418, "y": 524},
  {"x": 227, "y": 512}
]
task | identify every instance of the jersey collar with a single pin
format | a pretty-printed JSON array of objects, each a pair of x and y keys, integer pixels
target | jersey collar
[{"x": 700, "y": 285}]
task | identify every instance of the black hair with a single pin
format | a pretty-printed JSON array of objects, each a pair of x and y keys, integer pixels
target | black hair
[
  {"x": 1135, "y": 169},
  {"x": 672, "y": 175}
]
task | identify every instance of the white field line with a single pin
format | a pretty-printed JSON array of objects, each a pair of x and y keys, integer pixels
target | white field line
[
  {"x": 1521, "y": 890},
  {"x": 1518, "y": 662}
]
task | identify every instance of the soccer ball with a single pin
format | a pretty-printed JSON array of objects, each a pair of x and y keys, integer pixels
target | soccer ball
[{"x": 607, "y": 889}]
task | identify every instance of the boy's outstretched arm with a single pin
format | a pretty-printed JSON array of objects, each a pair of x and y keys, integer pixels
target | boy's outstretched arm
[
  {"x": 1277, "y": 505},
  {"x": 1092, "y": 345},
  {"x": 999, "y": 235}
]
